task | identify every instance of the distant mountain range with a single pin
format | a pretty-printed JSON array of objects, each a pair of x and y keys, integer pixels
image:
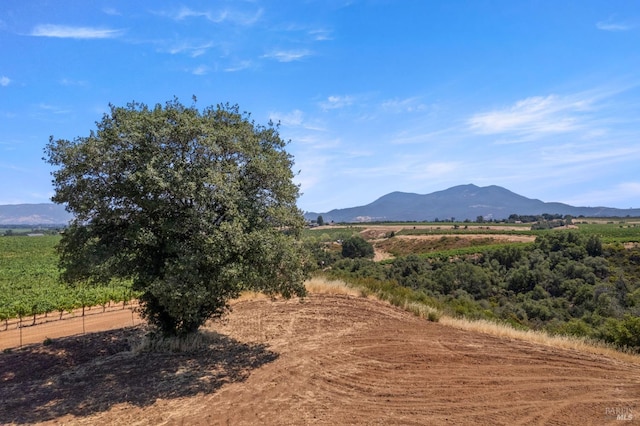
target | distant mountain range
[
  {"x": 34, "y": 214},
  {"x": 460, "y": 202}
]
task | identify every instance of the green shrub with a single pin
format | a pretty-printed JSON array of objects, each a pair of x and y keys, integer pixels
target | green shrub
[{"x": 356, "y": 246}]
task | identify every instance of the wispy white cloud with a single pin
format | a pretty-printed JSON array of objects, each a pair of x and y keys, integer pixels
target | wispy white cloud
[
  {"x": 417, "y": 137},
  {"x": 314, "y": 163},
  {"x": 111, "y": 11},
  {"x": 239, "y": 66},
  {"x": 417, "y": 165},
  {"x": 586, "y": 155},
  {"x": 63, "y": 31},
  {"x": 412, "y": 104},
  {"x": 320, "y": 34},
  {"x": 295, "y": 118},
  {"x": 632, "y": 187},
  {"x": 225, "y": 15},
  {"x": 371, "y": 172},
  {"x": 368, "y": 167},
  {"x": 302, "y": 32},
  {"x": 15, "y": 168},
  {"x": 53, "y": 109},
  {"x": 186, "y": 12},
  {"x": 71, "y": 82},
  {"x": 193, "y": 49},
  {"x": 318, "y": 142},
  {"x": 336, "y": 102},
  {"x": 533, "y": 116},
  {"x": 606, "y": 197},
  {"x": 5, "y": 81},
  {"x": 200, "y": 70},
  {"x": 288, "y": 55},
  {"x": 439, "y": 169},
  {"x": 610, "y": 25}
]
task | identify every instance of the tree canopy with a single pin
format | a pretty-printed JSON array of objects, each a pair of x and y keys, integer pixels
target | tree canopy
[
  {"x": 192, "y": 206},
  {"x": 356, "y": 246}
]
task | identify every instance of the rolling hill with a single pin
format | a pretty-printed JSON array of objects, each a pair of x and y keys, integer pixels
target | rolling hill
[
  {"x": 34, "y": 214},
  {"x": 327, "y": 360},
  {"x": 460, "y": 202}
]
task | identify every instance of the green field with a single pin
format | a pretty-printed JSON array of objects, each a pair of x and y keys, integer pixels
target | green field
[
  {"x": 29, "y": 283},
  {"x": 610, "y": 230},
  {"x": 618, "y": 231},
  {"x": 560, "y": 283}
]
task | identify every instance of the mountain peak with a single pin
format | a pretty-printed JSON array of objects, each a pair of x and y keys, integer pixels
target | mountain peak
[{"x": 461, "y": 202}]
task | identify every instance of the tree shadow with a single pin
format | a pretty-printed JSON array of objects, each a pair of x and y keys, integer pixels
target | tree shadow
[{"x": 89, "y": 374}]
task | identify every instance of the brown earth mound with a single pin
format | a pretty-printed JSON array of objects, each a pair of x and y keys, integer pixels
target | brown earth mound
[{"x": 331, "y": 359}]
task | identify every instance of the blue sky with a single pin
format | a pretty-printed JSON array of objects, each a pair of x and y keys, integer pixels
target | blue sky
[{"x": 540, "y": 97}]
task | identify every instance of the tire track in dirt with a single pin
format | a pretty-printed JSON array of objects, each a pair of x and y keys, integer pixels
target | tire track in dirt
[{"x": 350, "y": 360}]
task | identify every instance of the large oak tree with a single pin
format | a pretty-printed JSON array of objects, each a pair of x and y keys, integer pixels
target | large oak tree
[{"x": 192, "y": 206}]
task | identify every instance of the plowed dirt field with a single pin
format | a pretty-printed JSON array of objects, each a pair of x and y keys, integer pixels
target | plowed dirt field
[{"x": 330, "y": 360}]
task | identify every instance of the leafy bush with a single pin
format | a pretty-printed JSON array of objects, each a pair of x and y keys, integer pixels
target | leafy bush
[
  {"x": 356, "y": 246},
  {"x": 623, "y": 332}
]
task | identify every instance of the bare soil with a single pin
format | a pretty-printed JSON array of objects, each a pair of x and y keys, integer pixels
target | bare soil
[
  {"x": 72, "y": 323},
  {"x": 331, "y": 360}
]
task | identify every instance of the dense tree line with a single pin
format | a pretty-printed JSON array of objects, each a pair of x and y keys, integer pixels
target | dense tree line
[
  {"x": 545, "y": 217},
  {"x": 564, "y": 283}
]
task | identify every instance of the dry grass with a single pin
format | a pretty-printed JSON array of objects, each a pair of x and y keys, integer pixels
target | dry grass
[
  {"x": 322, "y": 285},
  {"x": 541, "y": 338},
  {"x": 251, "y": 295},
  {"x": 317, "y": 285},
  {"x": 423, "y": 311}
]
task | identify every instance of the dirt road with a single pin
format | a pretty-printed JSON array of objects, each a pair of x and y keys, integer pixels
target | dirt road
[{"x": 95, "y": 320}]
